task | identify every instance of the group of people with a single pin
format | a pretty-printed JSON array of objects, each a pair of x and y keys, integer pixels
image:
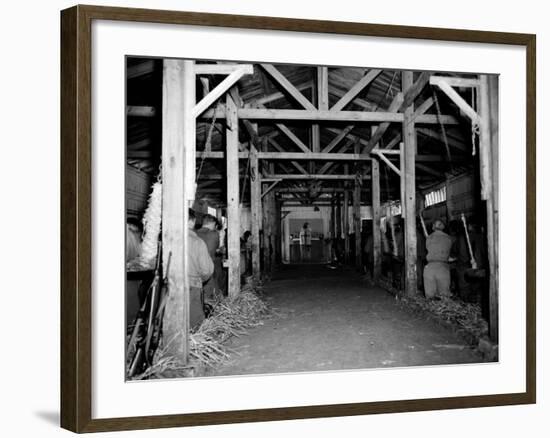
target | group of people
[{"x": 207, "y": 278}]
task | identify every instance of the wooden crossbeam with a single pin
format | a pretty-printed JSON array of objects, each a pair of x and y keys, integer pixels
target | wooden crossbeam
[
  {"x": 221, "y": 88},
  {"x": 285, "y": 83},
  {"x": 222, "y": 69},
  {"x": 460, "y": 82},
  {"x": 281, "y": 150},
  {"x": 322, "y": 115},
  {"x": 320, "y": 156},
  {"x": 423, "y": 107},
  {"x": 398, "y": 104},
  {"x": 387, "y": 161},
  {"x": 443, "y": 84},
  {"x": 413, "y": 91},
  {"x": 393, "y": 142},
  {"x": 394, "y": 106},
  {"x": 350, "y": 136},
  {"x": 278, "y": 95},
  {"x": 341, "y": 135},
  {"x": 315, "y": 156},
  {"x": 293, "y": 137},
  {"x": 328, "y": 116},
  {"x": 325, "y": 168},
  {"x": 356, "y": 89},
  {"x": 273, "y": 177},
  {"x": 269, "y": 187}
]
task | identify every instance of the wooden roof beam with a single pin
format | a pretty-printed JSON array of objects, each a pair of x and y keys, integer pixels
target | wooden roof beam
[
  {"x": 277, "y": 146},
  {"x": 356, "y": 89},
  {"x": 336, "y": 141},
  {"x": 222, "y": 87},
  {"x": 278, "y": 95},
  {"x": 273, "y": 177},
  {"x": 398, "y": 104},
  {"x": 329, "y": 116},
  {"x": 285, "y": 83}
]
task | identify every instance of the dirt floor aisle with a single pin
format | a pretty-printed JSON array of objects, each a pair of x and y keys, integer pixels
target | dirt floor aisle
[{"x": 330, "y": 320}]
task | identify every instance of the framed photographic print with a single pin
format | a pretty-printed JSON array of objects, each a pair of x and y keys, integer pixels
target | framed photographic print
[{"x": 267, "y": 218}]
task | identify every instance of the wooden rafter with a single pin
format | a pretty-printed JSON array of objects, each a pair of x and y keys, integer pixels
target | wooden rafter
[
  {"x": 222, "y": 87},
  {"x": 444, "y": 85},
  {"x": 279, "y": 148},
  {"x": 423, "y": 107},
  {"x": 278, "y": 95},
  {"x": 394, "y": 106},
  {"x": 399, "y": 104},
  {"x": 273, "y": 177},
  {"x": 356, "y": 89},
  {"x": 285, "y": 83},
  {"x": 339, "y": 137},
  {"x": 286, "y": 131}
]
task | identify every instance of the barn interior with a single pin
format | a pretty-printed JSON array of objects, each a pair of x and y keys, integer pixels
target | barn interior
[{"x": 369, "y": 158}]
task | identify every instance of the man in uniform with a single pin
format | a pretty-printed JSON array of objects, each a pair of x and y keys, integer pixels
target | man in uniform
[
  {"x": 437, "y": 277},
  {"x": 199, "y": 269}
]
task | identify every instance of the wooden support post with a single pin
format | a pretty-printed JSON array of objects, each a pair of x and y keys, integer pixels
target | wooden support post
[
  {"x": 256, "y": 210},
  {"x": 322, "y": 103},
  {"x": 176, "y": 119},
  {"x": 268, "y": 213},
  {"x": 488, "y": 152},
  {"x": 408, "y": 202},
  {"x": 338, "y": 216},
  {"x": 233, "y": 219},
  {"x": 376, "y": 216},
  {"x": 357, "y": 216},
  {"x": 277, "y": 258},
  {"x": 345, "y": 219},
  {"x": 333, "y": 217}
]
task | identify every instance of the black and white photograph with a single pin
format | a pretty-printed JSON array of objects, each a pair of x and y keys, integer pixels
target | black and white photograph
[{"x": 286, "y": 218}]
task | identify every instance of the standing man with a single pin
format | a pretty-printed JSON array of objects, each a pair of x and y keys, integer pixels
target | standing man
[
  {"x": 305, "y": 241},
  {"x": 199, "y": 269},
  {"x": 211, "y": 238},
  {"x": 437, "y": 277}
]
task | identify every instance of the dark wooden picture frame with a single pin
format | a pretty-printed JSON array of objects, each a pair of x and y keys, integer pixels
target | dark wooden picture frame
[{"x": 76, "y": 217}]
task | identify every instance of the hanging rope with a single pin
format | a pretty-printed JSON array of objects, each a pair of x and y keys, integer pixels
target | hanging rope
[
  {"x": 388, "y": 90},
  {"x": 244, "y": 179},
  {"x": 442, "y": 127},
  {"x": 475, "y": 126},
  {"x": 208, "y": 142}
]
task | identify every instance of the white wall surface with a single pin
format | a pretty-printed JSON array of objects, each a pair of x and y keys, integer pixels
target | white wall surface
[{"x": 29, "y": 88}]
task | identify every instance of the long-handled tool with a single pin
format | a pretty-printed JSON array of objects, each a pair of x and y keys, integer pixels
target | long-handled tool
[
  {"x": 472, "y": 258},
  {"x": 424, "y": 229}
]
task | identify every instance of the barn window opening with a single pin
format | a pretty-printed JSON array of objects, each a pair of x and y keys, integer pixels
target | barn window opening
[{"x": 436, "y": 196}]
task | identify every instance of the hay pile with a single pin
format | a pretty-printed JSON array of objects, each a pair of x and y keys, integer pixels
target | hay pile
[
  {"x": 465, "y": 318},
  {"x": 230, "y": 317}
]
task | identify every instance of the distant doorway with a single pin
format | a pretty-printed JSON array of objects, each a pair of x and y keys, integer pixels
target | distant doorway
[{"x": 300, "y": 253}]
